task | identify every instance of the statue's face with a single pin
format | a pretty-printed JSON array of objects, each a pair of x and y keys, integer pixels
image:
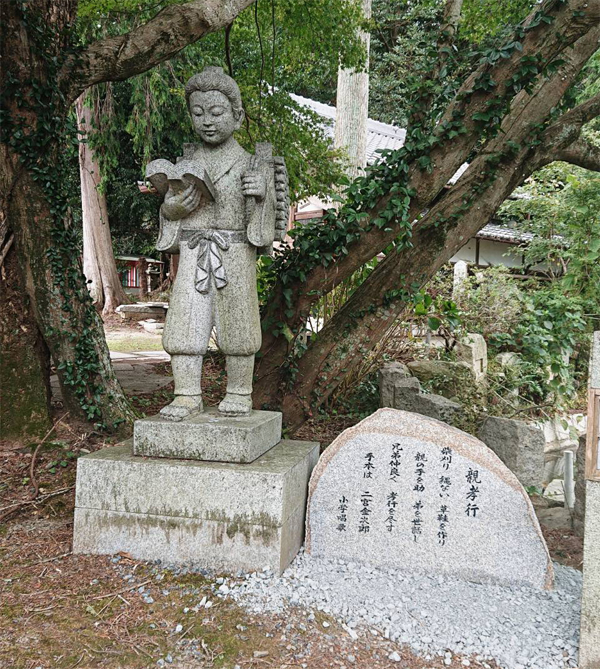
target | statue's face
[{"x": 213, "y": 116}]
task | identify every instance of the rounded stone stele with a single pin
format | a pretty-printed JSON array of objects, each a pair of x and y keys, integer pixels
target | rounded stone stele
[{"x": 406, "y": 491}]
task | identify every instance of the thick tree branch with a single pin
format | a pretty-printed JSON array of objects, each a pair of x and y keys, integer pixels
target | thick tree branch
[
  {"x": 527, "y": 110},
  {"x": 562, "y": 139},
  {"x": 572, "y": 20},
  {"x": 581, "y": 153},
  {"x": 583, "y": 113},
  {"x": 450, "y": 23},
  {"x": 445, "y": 228},
  {"x": 172, "y": 29},
  {"x": 447, "y": 34}
]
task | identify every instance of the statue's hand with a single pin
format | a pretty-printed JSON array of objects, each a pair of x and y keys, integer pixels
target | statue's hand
[
  {"x": 254, "y": 184},
  {"x": 182, "y": 204}
]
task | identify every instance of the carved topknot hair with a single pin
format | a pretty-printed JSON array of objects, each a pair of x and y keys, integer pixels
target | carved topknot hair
[{"x": 214, "y": 79}]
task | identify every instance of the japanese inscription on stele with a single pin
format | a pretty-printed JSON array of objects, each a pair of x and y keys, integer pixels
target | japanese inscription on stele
[{"x": 406, "y": 491}]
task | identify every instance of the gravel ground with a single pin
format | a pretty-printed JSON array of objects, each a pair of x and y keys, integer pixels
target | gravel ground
[{"x": 520, "y": 628}]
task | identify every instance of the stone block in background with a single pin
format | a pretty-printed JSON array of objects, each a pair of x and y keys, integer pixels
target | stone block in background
[
  {"x": 208, "y": 436},
  {"x": 403, "y": 392},
  {"x": 389, "y": 374},
  {"x": 472, "y": 350},
  {"x": 509, "y": 359},
  {"x": 405, "y": 491},
  {"x": 450, "y": 378},
  {"x": 408, "y": 397},
  {"x": 152, "y": 326},
  {"x": 223, "y": 516},
  {"x": 519, "y": 445},
  {"x": 142, "y": 310}
]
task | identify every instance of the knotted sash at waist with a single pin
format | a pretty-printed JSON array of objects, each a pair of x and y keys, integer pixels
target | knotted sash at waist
[{"x": 211, "y": 244}]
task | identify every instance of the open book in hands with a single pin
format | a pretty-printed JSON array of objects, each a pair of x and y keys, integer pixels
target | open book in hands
[{"x": 163, "y": 174}]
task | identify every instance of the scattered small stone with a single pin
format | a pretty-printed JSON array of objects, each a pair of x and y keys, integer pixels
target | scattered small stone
[
  {"x": 514, "y": 625},
  {"x": 325, "y": 624},
  {"x": 260, "y": 653},
  {"x": 395, "y": 656},
  {"x": 178, "y": 629}
]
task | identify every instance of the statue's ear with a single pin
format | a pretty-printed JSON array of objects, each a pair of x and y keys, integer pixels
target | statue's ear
[{"x": 239, "y": 117}]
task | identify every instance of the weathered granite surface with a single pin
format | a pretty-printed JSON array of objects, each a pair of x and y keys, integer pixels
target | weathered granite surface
[
  {"x": 208, "y": 436},
  {"x": 220, "y": 515},
  {"x": 589, "y": 646},
  {"x": 407, "y": 491},
  {"x": 519, "y": 445}
]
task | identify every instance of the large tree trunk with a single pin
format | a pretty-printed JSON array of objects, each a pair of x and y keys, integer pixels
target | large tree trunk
[
  {"x": 24, "y": 357},
  {"x": 298, "y": 381},
  {"x": 99, "y": 264},
  {"x": 352, "y": 109},
  {"x": 47, "y": 308}
]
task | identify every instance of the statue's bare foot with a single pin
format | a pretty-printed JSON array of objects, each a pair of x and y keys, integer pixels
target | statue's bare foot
[
  {"x": 181, "y": 407},
  {"x": 236, "y": 405}
]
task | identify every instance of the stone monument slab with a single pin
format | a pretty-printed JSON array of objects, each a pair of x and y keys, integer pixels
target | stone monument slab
[
  {"x": 403, "y": 490},
  {"x": 208, "y": 436},
  {"x": 218, "y": 515}
]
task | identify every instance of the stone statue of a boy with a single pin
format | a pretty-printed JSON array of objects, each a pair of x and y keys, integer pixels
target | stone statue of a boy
[{"x": 216, "y": 223}]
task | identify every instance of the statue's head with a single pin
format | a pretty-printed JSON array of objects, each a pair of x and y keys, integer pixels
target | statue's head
[{"x": 215, "y": 105}]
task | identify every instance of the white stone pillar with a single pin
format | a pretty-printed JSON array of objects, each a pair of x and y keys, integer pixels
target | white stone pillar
[{"x": 461, "y": 272}]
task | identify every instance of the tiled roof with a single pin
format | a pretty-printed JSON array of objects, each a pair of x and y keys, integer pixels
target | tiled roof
[
  {"x": 500, "y": 233},
  {"x": 379, "y": 135}
]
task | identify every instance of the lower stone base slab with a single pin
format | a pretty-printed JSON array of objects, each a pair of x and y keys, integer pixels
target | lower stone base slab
[{"x": 222, "y": 516}]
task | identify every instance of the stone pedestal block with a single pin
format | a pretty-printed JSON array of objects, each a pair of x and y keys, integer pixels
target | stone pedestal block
[
  {"x": 223, "y": 516},
  {"x": 209, "y": 436}
]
